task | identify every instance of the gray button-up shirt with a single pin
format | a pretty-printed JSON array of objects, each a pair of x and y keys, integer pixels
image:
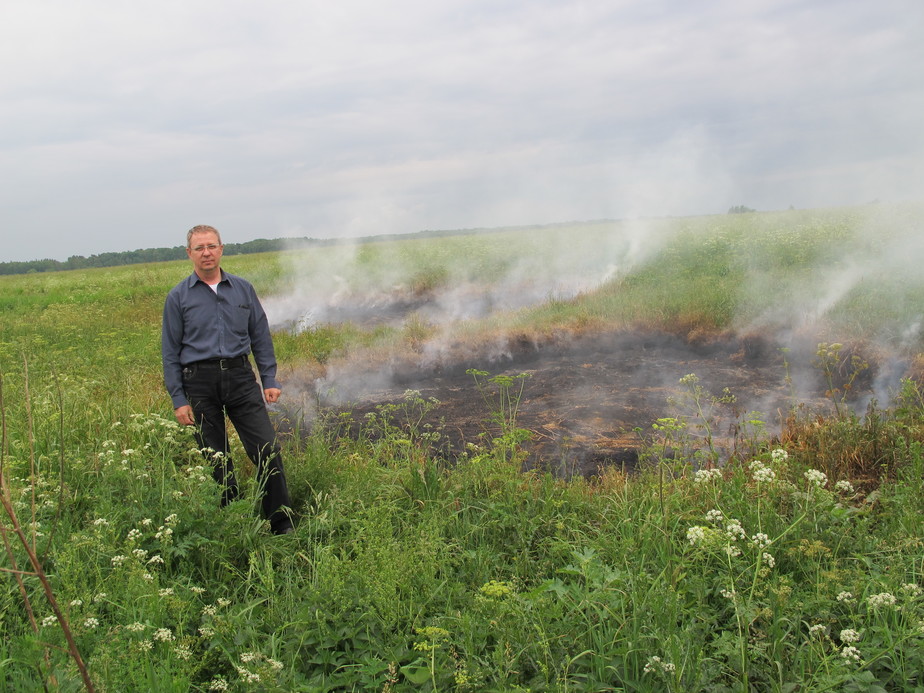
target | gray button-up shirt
[{"x": 201, "y": 324}]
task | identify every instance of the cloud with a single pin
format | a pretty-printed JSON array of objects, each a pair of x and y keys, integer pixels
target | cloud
[{"x": 122, "y": 125}]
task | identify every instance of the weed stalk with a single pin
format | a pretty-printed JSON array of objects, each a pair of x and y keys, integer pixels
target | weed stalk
[{"x": 29, "y": 546}]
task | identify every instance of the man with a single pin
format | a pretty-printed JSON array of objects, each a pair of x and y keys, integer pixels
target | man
[{"x": 212, "y": 321}]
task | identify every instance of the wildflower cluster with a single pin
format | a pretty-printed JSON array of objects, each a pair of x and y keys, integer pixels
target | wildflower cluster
[
  {"x": 851, "y": 654},
  {"x": 256, "y": 667},
  {"x": 849, "y": 636},
  {"x": 727, "y": 537},
  {"x": 435, "y": 637},
  {"x": 881, "y": 600},
  {"x": 656, "y": 665},
  {"x": 761, "y": 473},
  {"x": 697, "y": 535},
  {"x": 495, "y": 589},
  {"x": 38, "y": 495},
  {"x": 703, "y": 476},
  {"x": 779, "y": 456},
  {"x": 844, "y": 486},
  {"x": 816, "y": 478}
]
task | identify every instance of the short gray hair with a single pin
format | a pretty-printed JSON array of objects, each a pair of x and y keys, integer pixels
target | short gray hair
[{"x": 201, "y": 228}]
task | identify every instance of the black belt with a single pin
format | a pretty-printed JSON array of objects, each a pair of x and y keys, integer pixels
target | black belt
[{"x": 223, "y": 364}]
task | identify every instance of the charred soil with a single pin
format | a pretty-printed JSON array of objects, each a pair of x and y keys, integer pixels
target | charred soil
[{"x": 589, "y": 400}]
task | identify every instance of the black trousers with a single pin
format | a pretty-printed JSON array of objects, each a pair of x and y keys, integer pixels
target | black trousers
[{"x": 230, "y": 388}]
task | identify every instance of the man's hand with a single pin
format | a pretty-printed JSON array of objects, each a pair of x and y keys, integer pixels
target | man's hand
[
  {"x": 272, "y": 394},
  {"x": 184, "y": 415}
]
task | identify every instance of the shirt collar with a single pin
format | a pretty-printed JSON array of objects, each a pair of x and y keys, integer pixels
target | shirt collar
[{"x": 193, "y": 278}]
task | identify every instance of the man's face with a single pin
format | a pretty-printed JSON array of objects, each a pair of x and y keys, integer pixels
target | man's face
[{"x": 205, "y": 251}]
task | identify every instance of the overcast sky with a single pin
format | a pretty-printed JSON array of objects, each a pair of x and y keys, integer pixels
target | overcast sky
[{"x": 123, "y": 124}]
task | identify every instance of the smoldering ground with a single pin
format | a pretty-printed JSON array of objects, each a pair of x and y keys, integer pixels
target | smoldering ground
[
  {"x": 590, "y": 400},
  {"x": 590, "y": 397}
]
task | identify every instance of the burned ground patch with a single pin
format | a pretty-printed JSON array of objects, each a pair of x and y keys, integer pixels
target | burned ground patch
[{"x": 590, "y": 400}]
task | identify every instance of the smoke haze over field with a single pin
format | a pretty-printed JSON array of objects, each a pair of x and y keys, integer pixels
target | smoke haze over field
[
  {"x": 601, "y": 383},
  {"x": 501, "y": 270},
  {"x": 123, "y": 125}
]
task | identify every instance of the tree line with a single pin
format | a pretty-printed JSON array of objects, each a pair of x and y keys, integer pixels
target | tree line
[
  {"x": 133, "y": 257},
  {"x": 259, "y": 245}
]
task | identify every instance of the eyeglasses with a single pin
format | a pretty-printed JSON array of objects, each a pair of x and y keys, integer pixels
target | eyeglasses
[{"x": 212, "y": 247}]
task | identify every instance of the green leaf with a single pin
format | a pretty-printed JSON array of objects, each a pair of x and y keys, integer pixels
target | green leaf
[{"x": 416, "y": 674}]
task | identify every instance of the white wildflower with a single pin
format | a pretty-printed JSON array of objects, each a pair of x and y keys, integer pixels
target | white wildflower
[
  {"x": 734, "y": 530},
  {"x": 728, "y": 594},
  {"x": 817, "y": 478},
  {"x": 90, "y": 623},
  {"x": 197, "y": 590},
  {"x": 732, "y": 550},
  {"x": 715, "y": 516},
  {"x": 696, "y": 535},
  {"x": 135, "y": 627},
  {"x": 656, "y": 665},
  {"x": 76, "y": 602},
  {"x": 844, "y": 486},
  {"x": 147, "y": 522},
  {"x": 911, "y": 589},
  {"x": 224, "y": 602},
  {"x": 101, "y": 522},
  {"x": 148, "y": 577},
  {"x": 166, "y": 592},
  {"x": 218, "y": 684},
  {"x": 769, "y": 560},
  {"x": 170, "y": 519},
  {"x": 761, "y": 540},
  {"x": 764, "y": 475},
  {"x": 156, "y": 559},
  {"x": 851, "y": 653},
  {"x": 140, "y": 554},
  {"x": 182, "y": 652},
  {"x": 248, "y": 676},
  {"x": 163, "y": 634},
  {"x": 882, "y": 599},
  {"x": 49, "y": 621},
  {"x": 849, "y": 635},
  {"x": 206, "y": 632},
  {"x": 846, "y": 597},
  {"x": 779, "y": 455},
  {"x": 817, "y": 629},
  {"x": 702, "y": 476}
]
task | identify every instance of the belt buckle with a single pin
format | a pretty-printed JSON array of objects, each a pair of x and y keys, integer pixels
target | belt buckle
[{"x": 224, "y": 364}]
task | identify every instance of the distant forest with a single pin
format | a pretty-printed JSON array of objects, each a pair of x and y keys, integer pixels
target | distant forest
[{"x": 134, "y": 257}]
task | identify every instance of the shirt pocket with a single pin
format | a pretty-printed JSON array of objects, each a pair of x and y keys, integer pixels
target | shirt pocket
[{"x": 239, "y": 320}]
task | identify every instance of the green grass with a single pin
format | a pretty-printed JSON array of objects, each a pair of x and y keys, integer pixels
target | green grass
[{"x": 406, "y": 574}]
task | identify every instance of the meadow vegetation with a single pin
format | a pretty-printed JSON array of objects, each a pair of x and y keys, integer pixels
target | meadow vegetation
[{"x": 798, "y": 568}]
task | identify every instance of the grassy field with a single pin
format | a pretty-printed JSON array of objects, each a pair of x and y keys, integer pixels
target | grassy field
[{"x": 800, "y": 568}]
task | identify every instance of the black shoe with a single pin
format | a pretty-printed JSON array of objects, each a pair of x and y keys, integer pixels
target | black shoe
[{"x": 286, "y": 529}]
